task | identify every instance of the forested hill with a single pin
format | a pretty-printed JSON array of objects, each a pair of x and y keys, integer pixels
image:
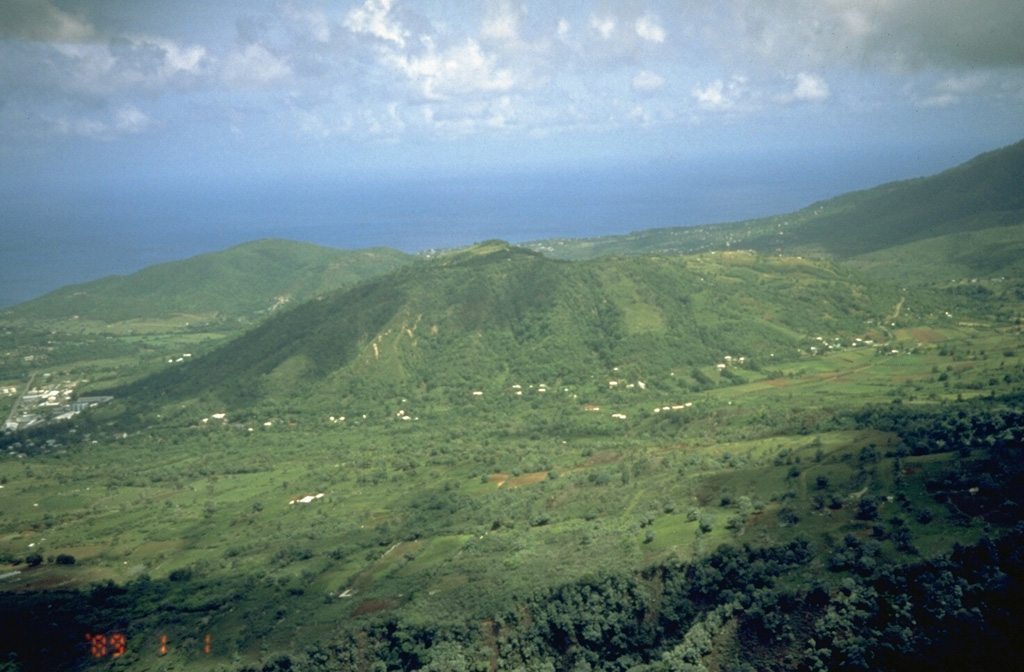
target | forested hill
[
  {"x": 240, "y": 281},
  {"x": 497, "y": 314},
  {"x": 981, "y": 195}
]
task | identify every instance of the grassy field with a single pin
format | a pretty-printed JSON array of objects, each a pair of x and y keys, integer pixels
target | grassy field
[{"x": 308, "y": 517}]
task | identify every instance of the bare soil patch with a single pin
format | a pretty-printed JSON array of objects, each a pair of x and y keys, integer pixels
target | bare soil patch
[
  {"x": 606, "y": 457},
  {"x": 527, "y": 479},
  {"x": 403, "y": 549},
  {"x": 926, "y": 335},
  {"x": 374, "y": 607}
]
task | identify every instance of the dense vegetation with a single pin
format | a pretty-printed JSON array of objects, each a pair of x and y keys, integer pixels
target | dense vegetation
[
  {"x": 966, "y": 222},
  {"x": 240, "y": 282},
  {"x": 493, "y": 460},
  {"x": 498, "y": 315}
]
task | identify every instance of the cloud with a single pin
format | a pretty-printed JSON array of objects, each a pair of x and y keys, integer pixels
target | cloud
[
  {"x": 391, "y": 69},
  {"x": 131, "y": 120},
  {"x": 177, "y": 59},
  {"x": 721, "y": 95},
  {"x": 314, "y": 23},
  {"x": 502, "y": 25},
  {"x": 374, "y": 18},
  {"x": 646, "y": 81},
  {"x": 39, "y": 20},
  {"x": 639, "y": 114},
  {"x": 127, "y": 120},
  {"x": 951, "y": 33},
  {"x": 604, "y": 25},
  {"x": 252, "y": 66},
  {"x": 896, "y": 35},
  {"x": 952, "y": 90},
  {"x": 809, "y": 87},
  {"x": 563, "y": 28},
  {"x": 460, "y": 70},
  {"x": 648, "y": 28}
]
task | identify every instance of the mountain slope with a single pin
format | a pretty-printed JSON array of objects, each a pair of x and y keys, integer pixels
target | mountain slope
[
  {"x": 982, "y": 195},
  {"x": 496, "y": 314},
  {"x": 239, "y": 281}
]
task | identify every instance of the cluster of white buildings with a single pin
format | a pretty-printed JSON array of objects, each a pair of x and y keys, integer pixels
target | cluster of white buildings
[{"x": 54, "y": 401}]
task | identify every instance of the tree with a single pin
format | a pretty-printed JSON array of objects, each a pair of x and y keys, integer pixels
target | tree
[
  {"x": 34, "y": 560},
  {"x": 867, "y": 509}
]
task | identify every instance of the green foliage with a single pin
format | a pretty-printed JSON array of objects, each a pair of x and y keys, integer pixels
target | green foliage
[
  {"x": 245, "y": 281},
  {"x": 497, "y": 316},
  {"x": 963, "y": 222},
  {"x": 495, "y": 460}
]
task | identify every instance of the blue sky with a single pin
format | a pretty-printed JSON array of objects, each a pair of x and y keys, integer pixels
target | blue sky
[{"x": 106, "y": 97}]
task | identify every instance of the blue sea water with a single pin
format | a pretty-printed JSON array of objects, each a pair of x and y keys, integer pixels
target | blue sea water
[{"x": 68, "y": 236}]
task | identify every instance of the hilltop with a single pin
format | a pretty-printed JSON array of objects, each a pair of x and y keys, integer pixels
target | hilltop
[
  {"x": 495, "y": 459},
  {"x": 496, "y": 313},
  {"x": 245, "y": 280},
  {"x": 965, "y": 221}
]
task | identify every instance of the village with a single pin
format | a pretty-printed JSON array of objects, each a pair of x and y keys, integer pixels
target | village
[{"x": 49, "y": 401}]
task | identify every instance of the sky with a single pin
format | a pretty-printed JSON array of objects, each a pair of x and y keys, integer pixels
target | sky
[{"x": 138, "y": 131}]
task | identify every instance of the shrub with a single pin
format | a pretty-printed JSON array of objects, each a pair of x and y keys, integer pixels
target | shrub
[{"x": 867, "y": 509}]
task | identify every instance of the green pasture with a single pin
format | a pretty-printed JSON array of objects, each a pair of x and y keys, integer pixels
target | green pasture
[{"x": 413, "y": 521}]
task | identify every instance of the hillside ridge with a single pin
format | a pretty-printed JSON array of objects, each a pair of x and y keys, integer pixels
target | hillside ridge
[
  {"x": 979, "y": 195},
  {"x": 242, "y": 280},
  {"x": 496, "y": 311}
]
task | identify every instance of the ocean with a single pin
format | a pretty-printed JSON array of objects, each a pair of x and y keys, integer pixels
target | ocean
[{"x": 57, "y": 238}]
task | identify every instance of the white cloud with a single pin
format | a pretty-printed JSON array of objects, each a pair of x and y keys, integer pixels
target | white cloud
[
  {"x": 503, "y": 25},
  {"x": 639, "y": 114},
  {"x": 647, "y": 81},
  {"x": 86, "y": 68},
  {"x": 132, "y": 64},
  {"x": 563, "y": 28},
  {"x": 721, "y": 95},
  {"x": 712, "y": 96},
  {"x": 810, "y": 87},
  {"x": 174, "y": 59},
  {"x": 253, "y": 65},
  {"x": 388, "y": 68},
  {"x": 315, "y": 22},
  {"x": 386, "y": 124},
  {"x": 965, "y": 84},
  {"x": 130, "y": 119},
  {"x": 952, "y": 90},
  {"x": 940, "y": 100},
  {"x": 604, "y": 25},
  {"x": 88, "y": 128},
  {"x": 648, "y": 28},
  {"x": 374, "y": 19},
  {"x": 459, "y": 70}
]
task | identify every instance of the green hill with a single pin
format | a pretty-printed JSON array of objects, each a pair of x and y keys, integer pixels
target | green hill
[
  {"x": 982, "y": 197},
  {"x": 497, "y": 460},
  {"x": 240, "y": 281},
  {"x": 500, "y": 314}
]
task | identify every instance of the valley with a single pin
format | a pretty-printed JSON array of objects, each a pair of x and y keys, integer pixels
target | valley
[{"x": 491, "y": 459}]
